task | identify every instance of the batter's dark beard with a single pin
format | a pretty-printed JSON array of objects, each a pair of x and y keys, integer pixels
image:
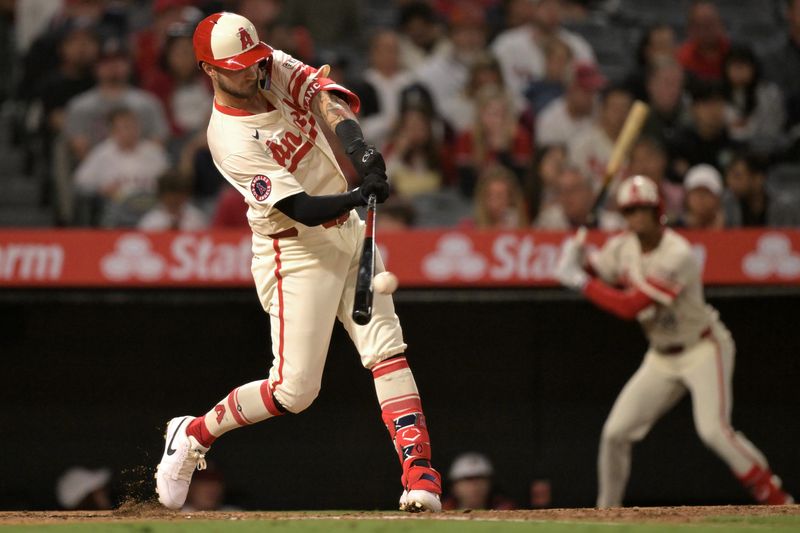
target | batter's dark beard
[{"x": 235, "y": 92}]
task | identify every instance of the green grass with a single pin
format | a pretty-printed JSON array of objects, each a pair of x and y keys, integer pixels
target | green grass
[{"x": 734, "y": 524}]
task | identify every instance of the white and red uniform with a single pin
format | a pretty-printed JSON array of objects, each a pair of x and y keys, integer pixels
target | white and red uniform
[
  {"x": 690, "y": 351},
  {"x": 305, "y": 276}
]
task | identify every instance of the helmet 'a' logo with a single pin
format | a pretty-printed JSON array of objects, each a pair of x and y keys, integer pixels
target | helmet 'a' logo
[{"x": 247, "y": 41}]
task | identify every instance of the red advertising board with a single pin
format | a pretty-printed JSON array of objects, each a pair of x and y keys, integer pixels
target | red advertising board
[{"x": 441, "y": 258}]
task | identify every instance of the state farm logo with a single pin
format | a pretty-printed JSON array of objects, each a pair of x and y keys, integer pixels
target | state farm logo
[
  {"x": 132, "y": 258},
  {"x": 454, "y": 258},
  {"x": 189, "y": 257},
  {"x": 773, "y": 256}
]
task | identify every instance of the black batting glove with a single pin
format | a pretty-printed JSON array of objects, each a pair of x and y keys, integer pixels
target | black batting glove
[
  {"x": 374, "y": 184},
  {"x": 365, "y": 157}
]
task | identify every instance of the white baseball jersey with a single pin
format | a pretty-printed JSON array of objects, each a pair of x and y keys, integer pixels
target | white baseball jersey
[
  {"x": 270, "y": 156},
  {"x": 306, "y": 281},
  {"x": 670, "y": 275}
]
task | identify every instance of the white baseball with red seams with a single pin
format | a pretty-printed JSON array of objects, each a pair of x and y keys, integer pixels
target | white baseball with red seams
[{"x": 385, "y": 283}]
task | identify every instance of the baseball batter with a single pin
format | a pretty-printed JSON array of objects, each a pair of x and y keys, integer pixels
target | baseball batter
[
  {"x": 266, "y": 137},
  {"x": 690, "y": 348}
]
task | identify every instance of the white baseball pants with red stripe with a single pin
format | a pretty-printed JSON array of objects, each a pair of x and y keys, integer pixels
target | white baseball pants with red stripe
[
  {"x": 705, "y": 370},
  {"x": 305, "y": 283}
]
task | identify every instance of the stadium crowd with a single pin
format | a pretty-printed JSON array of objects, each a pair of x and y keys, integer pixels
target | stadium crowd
[{"x": 490, "y": 113}]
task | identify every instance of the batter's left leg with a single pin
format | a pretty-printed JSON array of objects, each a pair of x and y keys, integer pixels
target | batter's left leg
[
  {"x": 709, "y": 381},
  {"x": 381, "y": 346}
]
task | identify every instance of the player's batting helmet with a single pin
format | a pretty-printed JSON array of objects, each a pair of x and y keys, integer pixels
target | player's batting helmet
[
  {"x": 229, "y": 41},
  {"x": 638, "y": 191}
]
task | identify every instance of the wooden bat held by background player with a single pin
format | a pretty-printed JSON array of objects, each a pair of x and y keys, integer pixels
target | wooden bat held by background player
[{"x": 629, "y": 134}]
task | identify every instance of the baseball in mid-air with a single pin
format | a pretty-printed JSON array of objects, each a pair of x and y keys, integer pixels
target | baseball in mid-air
[{"x": 385, "y": 283}]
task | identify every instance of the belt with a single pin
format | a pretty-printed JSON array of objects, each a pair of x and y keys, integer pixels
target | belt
[
  {"x": 674, "y": 349},
  {"x": 292, "y": 232}
]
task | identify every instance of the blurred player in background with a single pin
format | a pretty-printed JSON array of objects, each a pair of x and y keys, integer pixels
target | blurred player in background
[
  {"x": 267, "y": 139},
  {"x": 690, "y": 348}
]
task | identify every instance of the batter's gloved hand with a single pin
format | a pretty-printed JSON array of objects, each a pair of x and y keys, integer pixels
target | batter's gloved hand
[
  {"x": 569, "y": 269},
  {"x": 366, "y": 158},
  {"x": 375, "y": 184}
]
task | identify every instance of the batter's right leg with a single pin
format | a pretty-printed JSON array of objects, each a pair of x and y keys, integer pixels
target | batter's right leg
[
  {"x": 302, "y": 299},
  {"x": 648, "y": 394}
]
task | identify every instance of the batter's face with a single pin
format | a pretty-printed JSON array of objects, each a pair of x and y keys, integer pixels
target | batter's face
[
  {"x": 642, "y": 220},
  {"x": 237, "y": 83}
]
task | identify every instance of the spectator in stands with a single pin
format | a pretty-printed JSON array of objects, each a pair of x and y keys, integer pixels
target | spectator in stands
[
  {"x": 703, "y": 186},
  {"x": 649, "y": 158},
  {"x": 86, "y": 119},
  {"x": 521, "y": 50},
  {"x": 783, "y": 63},
  {"x": 396, "y": 214},
  {"x": 42, "y": 57},
  {"x": 485, "y": 72},
  {"x": 575, "y": 195},
  {"x": 174, "y": 210},
  {"x": 180, "y": 86},
  {"x": 656, "y": 47},
  {"x": 327, "y": 22},
  {"x": 207, "y": 491},
  {"x": 755, "y": 113},
  {"x": 416, "y": 159},
  {"x": 558, "y": 61},
  {"x": 517, "y": 13},
  {"x": 384, "y": 79},
  {"x": 669, "y": 111},
  {"x": 496, "y": 137},
  {"x": 590, "y": 150},
  {"x": 751, "y": 202},
  {"x": 149, "y": 42},
  {"x": 123, "y": 170},
  {"x": 78, "y": 52},
  {"x": 566, "y": 116},
  {"x": 231, "y": 210},
  {"x": 707, "y": 140},
  {"x": 472, "y": 485},
  {"x": 446, "y": 75},
  {"x": 703, "y": 53},
  {"x": 294, "y": 39},
  {"x": 83, "y": 489},
  {"x": 540, "y": 183},
  {"x": 499, "y": 203},
  {"x": 421, "y": 35}
]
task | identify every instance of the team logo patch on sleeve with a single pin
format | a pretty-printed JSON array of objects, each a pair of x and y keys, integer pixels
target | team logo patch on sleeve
[{"x": 261, "y": 186}]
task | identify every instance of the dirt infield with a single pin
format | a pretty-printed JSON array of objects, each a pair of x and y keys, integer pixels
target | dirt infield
[{"x": 153, "y": 512}]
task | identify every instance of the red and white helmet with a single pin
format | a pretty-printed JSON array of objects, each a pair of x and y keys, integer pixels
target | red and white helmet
[
  {"x": 229, "y": 41},
  {"x": 638, "y": 191}
]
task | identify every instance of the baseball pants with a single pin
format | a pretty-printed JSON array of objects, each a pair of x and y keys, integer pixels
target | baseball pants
[{"x": 705, "y": 370}]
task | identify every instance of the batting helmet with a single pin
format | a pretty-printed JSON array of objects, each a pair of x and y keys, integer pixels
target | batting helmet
[
  {"x": 638, "y": 191},
  {"x": 229, "y": 41}
]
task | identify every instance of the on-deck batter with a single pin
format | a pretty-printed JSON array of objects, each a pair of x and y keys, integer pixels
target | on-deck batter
[
  {"x": 266, "y": 138},
  {"x": 690, "y": 348}
]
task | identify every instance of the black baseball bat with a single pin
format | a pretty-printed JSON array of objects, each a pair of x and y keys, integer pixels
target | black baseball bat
[{"x": 362, "y": 302}]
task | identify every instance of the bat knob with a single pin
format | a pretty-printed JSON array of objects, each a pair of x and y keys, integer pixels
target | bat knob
[{"x": 361, "y": 318}]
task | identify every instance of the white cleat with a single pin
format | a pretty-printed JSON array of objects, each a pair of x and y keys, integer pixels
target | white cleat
[
  {"x": 418, "y": 501},
  {"x": 182, "y": 455}
]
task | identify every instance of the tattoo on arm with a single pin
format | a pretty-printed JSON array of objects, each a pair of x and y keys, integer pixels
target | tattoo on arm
[{"x": 331, "y": 109}]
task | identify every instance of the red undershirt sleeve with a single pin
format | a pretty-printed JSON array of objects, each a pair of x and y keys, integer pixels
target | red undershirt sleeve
[{"x": 624, "y": 304}]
